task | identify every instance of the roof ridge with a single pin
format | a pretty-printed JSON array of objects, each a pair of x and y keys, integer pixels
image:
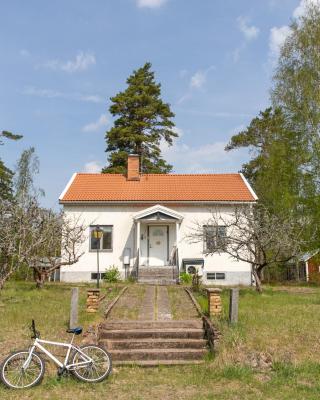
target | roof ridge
[{"x": 175, "y": 174}]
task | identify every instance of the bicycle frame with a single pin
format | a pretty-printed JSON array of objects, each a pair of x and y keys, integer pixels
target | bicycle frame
[{"x": 38, "y": 345}]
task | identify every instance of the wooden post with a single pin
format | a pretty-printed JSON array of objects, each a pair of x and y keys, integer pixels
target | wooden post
[
  {"x": 234, "y": 305},
  {"x": 214, "y": 302},
  {"x": 74, "y": 307}
]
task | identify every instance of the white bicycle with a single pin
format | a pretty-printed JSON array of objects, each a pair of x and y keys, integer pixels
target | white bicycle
[{"x": 24, "y": 369}]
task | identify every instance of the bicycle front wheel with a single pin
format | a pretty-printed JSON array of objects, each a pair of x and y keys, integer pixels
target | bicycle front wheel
[
  {"x": 98, "y": 369},
  {"x": 15, "y": 376}
]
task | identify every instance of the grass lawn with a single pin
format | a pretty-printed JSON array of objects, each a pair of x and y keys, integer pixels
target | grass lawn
[{"x": 284, "y": 324}]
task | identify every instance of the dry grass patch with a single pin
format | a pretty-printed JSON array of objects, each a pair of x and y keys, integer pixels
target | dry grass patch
[{"x": 181, "y": 305}]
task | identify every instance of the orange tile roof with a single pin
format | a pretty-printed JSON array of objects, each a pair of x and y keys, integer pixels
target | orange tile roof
[{"x": 157, "y": 188}]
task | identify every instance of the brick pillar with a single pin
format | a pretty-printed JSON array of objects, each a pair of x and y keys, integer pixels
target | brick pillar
[
  {"x": 214, "y": 302},
  {"x": 93, "y": 296}
]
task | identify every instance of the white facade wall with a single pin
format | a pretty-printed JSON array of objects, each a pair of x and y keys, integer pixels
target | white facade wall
[{"x": 124, "y": 236}]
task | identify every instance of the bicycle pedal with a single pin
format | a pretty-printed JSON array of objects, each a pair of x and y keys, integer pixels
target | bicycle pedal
[{"x": 61, "y": 372}]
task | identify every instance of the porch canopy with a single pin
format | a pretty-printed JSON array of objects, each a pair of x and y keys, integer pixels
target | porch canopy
[{"x": 156, "y": 215}]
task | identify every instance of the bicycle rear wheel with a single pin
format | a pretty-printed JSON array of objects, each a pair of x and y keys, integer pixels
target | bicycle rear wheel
[
  {"x": 96, "y": 371},
  {"x": 14, "y": 376}
]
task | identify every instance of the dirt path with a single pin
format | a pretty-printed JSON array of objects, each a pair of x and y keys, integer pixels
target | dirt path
[
  {"x": 154, "y": 303},
  {"x": 128, "y": 306}
]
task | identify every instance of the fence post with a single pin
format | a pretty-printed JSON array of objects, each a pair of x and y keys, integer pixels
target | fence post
[
  {"x": 234, "y": 305},
  {"x": 74, "y": 307}
]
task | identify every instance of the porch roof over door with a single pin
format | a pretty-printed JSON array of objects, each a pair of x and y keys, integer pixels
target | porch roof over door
[{"x": 159, "y": 213}]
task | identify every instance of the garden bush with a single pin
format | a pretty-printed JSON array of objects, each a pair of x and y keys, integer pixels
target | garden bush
[
  {"x": 112, "y": 274},
  {"x": 185, "y": 278}
]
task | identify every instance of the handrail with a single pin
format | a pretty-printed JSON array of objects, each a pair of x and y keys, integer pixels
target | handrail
[
  {"x": 137, "y": 263},
  {"x": 172, "y": 255}
]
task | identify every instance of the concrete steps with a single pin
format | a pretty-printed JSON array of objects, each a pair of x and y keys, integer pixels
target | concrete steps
[
  {"x": 153, "y": 333},
  {"x": 157, "y": 281},
  {"x": 134, "y": 344},
  {"x": 157, "y": 275},
  {"x": 154, "y": 354},
  {"x": 150, "y": 343},
  {"x": 150, "y": 324},
  {"x": 156, "y": 363}
]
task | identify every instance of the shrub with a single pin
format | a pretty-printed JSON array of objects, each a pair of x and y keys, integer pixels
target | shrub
[
  {"x": 314, "y": 278},
  {"x": 112, "y": 274},
  {"x": 185, "y": 278}
]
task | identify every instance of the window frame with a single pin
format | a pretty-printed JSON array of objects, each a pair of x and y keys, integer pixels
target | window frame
[
  {"x": 215, "y": 276},
  {"x": 91, "y": 228},
  {"x": 101, "y": 275},
  {"x": 216, "y": 245}
]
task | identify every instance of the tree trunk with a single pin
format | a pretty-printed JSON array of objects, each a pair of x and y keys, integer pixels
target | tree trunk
[
  {"x": 257, "y": 279},
  {"x": 2, "y": 281},
  {"x": 39, "y": 277}
]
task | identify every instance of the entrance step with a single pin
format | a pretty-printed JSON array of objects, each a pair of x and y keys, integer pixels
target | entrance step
[
  {"x": 142, "y": 324},
  {"x": 157, "y": 281},
  {"x": 165, "y": 333},
  {"x": 157, "y": 275},
  {"x": 157, "y": 354},
  {"x": 156, "y": 363},
  {"x": 145, "y": 344}
]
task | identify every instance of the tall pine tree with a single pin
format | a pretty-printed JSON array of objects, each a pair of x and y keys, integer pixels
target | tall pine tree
[{"x": 142, "y": 122}]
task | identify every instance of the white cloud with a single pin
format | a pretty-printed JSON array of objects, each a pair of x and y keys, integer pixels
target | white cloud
[
  {"x": 207, "y": 158},
  {"x": 81, "y": 63},
  {"x": 150, "y": 3},
  {"x": 250, "y": 31},
  {"x": 302, "y": 7},
  {"x": 54, "y": 94},
  {"x": 276, "y": 39},
  {"x": 198, "y": 79},
  {"x": 278, "y": 35},
  {"x": 101, "y": 122},
  {"x": 93, "y": 167}
]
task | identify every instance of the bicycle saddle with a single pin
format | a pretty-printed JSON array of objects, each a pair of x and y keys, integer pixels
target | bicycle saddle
[{"x": 76, "y": 330}]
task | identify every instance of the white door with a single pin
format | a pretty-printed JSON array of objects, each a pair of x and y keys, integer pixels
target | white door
[{"x": 158, "y": 245}]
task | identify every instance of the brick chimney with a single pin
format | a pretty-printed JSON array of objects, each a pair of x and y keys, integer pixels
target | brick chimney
[{"x": 133, "y": 170}]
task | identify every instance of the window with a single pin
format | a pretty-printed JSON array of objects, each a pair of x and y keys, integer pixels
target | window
[
  {"x": 216, "y": 275},
  {"x": 94, "y": 275},
  {"x": 105, "y": 243},
  {"x": 214, "y": 237}
]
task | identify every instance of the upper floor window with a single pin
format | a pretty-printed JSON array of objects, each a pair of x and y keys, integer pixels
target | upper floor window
[
  {"x": 105, "y": 242},
  {"x": 214, "y": 237}
]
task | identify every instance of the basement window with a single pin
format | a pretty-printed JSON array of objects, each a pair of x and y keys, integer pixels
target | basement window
[
  {"x": 94, "y": 275},
  {"x": 216, "y": 276}
]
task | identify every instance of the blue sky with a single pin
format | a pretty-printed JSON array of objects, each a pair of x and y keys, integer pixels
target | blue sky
[{"x": 61, "y": 61}]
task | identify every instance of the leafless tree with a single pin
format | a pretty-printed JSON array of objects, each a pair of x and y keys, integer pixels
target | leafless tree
[
  {"x": 38, "y": 238},
  {"x": 252, "y": 234},
  {"x": 61, "y": 244}
]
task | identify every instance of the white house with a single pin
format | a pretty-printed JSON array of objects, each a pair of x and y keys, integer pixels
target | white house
[{"x": 146, "y": 220}]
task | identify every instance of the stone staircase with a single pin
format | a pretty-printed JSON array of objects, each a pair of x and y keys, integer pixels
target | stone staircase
[
  {"x": 150, "y": 343},
  {"x": 157, "y": 275}
]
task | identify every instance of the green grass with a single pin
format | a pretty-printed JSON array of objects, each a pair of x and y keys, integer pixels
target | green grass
[
  {"x": 286, "y": 325},
  {"x": 283, "y": 324}
]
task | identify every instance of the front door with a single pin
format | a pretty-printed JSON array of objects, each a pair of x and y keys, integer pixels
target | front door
[{"x": 158, "y": 245}]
